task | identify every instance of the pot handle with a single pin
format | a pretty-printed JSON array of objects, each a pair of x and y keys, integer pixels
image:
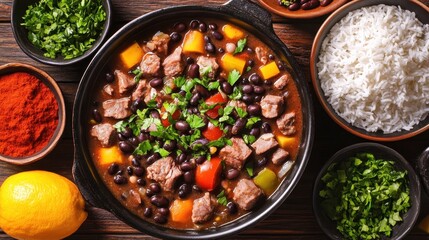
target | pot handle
[
  {"x": 249, "y": 10},
  {"x": 86, "y": 185}
]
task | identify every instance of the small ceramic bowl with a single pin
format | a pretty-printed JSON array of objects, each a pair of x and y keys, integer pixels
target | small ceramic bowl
[
  {"x": 21, "y": 35},
  {"x": 52, "y": 85},
  {"x": 380, "y": 151},
  {"x": 274, "y": 7},
  {"x": 422, "y": 13}
]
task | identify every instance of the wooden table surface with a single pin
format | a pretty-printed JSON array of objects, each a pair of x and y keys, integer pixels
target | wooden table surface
[{"x": 293, "y": 220}]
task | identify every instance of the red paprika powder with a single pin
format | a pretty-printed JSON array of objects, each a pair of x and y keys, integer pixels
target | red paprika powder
[{"x": 28, "y": 114}]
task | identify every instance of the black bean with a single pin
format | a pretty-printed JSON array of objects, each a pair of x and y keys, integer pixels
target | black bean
[
  {"x": 119, "y": 179},
  {"x": 143, "y": 136},
  {"x": 238, "y": 126},
  {"x": 187, "y": 166},
  {"x": 303, "y": 1},
  {"x": 294, "y": 6},
  {"x": 193, "y": 71},
  {"x": 139, "y": 171},
  {"x": 189, "y": 176},
  {"x": 266, "y": 128},
  {"x": 181, "y": 158},
  {"x": 227, "y": 130},
  {"x": 155, "y": 114},
  {"x": 164, "y": 211},
  {"x": 149, "y": 192},
  {"x": 250, "y": 63},
  {"x": 155, "y": 188},
  {"x": 127, "y": 132},
  {"x": 200, "y": 159},
  {"x": 207, "y": 39},
  {"x": 179, "y": 27},
  {"x": 134, "y": 141},
  {"x": 96, "y": 115},
  {"x": 257, "y": 98},
  {"x": 170, "y": 145},
  {"x": 247, "y": 98},
  {"x": 139, "y": 103},
  {"x": 201, "y": 90},
  {"x": 194, "y": 24},
  {"x": 271, "y": 57},
  {"x": 248, "y": 89},
  {"x": 259, "y": 90},
  {"x": 147, "y": 212},
  {"x": 232, "y": 207},
  {"x": 325, "y": 3},
  {"x": 232, "y": 173},
  {"x": 310, "y": 4},
  {"x": 254, "y": 109},
  {"x": 255, "y": 131},
  {"x": 189, "y": 60},
  {"x": 109, "y": 77},
  {"x": 130, "y": 170},
  {"x": 159, "y": 201},
  {"x": 221, "y": 50},
  {"x": 125, "y": 147},
  {"x": 255, "y": 79},
  {"x": 249, "y": 50},
  {"x": 182, "y": 126},
  {"x": 121, "y": 137},
  {"x": 186, "y": 188},
  {"x": 244, "y": 81},
  {"x": 160, "y": 219},
  {"x": 141, "y": 182},
  {"x": 217, "y": 35},
  {"x": 262, "y": 162},
  {"x": 113, "y": 168},
  {"x": 152, "y": 158},
  {"x": 182, "y": 194},
  {"x": 226, "y": 87},
  {"x": 280, "y": 65},
  {"x": 156, "y": 82},
  {"x": 175, "y": 37},
  {"x": 213, "y": 26},
  {"x": 201, "y": 141},
  {"x": 120, "y": 172},
  {"x": 210, "y": 48},
  {"x": 196, "y": 188},
  {"x": 135, "y": 162},
  {"x": 202, "y": 27}
]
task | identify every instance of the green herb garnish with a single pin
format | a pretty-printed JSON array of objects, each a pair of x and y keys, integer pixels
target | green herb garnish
[
  {"x": 240, "y": 45},
  {"x": 233, "y": 77},
  {"x": 221, "y": 198}
]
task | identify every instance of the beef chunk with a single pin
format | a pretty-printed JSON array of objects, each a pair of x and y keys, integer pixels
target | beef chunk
[
  {"x": 282, "y": 81},
  {"x": 125, "y": 82},
  {"x": 150, "y": 64},
  {"x": 237, "y": 103},
  {"x": 140, "y": 90},
  {"x": 246, "y": 194},
  {"x": 117, "y": 108},
  {"x": 279, "y": 156},
  {"x": 203, "y": 208},
  {"x": 286, "y": 124},
  {"x": 165, "y": 172},
  {"x": 271, "y": 106},
  {"x": 150, "y": 94},
  {"x": 104, "y": 132},
  {"x": 108, "y": 89},
  {"x": 261, "y": 54},
  {"x": 264, "y": 143},
  {"x": 134, "y": 199},
  {"x": 173, "y": 63},
  {"x": 208, "y": 65},
  {"x": 159, "y": 43},
  {"x": 235, "y": 155}
]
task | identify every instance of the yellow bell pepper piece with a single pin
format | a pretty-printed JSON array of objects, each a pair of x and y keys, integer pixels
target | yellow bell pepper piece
[
  {"x": 194, "y": 42},
  {"x": 131, "y": 55},
  {"x": 181, "y": 210},
  {"x": 110, "y": 155},
  {"x": 230, "y": 62},
  {"x": 269, "y": 70},
  {"x": 267, "y": 180},
  {"x": 284, "y": 141},
  {"x": 232, "y": 32}
]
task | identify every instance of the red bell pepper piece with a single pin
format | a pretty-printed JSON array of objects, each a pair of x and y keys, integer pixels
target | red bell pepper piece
[
  {"x": 207, "y": 174},
  {"x": 215, "y": 99},
  {"x": 212, "y": 132}
]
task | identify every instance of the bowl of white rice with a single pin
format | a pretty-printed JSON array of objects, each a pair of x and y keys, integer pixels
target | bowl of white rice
[{"x": 370, "y": 68}]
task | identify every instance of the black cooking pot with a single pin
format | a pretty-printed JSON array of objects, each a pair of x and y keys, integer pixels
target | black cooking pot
[{"x": 240, "y": 12}]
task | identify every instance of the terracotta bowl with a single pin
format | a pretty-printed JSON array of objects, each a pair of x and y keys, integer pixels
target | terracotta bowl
[
  {"x": 422, "y": 13},
  {"x": 52, "y": 85},
  {"x": 274, "y": 7}
]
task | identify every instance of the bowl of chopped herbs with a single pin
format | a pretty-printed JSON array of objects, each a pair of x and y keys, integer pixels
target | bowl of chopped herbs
[
  {"x": 60, "y": 32},
  {"x": 366, "y": 191}
]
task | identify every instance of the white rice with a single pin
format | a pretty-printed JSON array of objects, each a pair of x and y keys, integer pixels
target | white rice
[{"x": 374, "y": 68}]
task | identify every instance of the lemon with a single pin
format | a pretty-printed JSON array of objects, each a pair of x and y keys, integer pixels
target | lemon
[{"x": 40, "y": 205}]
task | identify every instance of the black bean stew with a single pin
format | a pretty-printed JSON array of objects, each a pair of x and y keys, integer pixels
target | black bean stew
[{"x": 195, "y": 124}]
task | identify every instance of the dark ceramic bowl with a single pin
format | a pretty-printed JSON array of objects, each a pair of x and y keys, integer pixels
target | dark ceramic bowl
[
  {"x": 21, "y": 35},
  {"x": 422, "y": 13},
  {"x": 242, "y": 13},
  {"x": 380, "y": 151},
  {"x": 423, "y": 169},
  {"x": 53, "y": 86}
]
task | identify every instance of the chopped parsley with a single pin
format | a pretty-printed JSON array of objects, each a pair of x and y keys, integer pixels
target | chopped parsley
[
  {"x": 233, "y": 77},
  {"x": 221, "y": 198},
  {"x": 240, "y": 45}
]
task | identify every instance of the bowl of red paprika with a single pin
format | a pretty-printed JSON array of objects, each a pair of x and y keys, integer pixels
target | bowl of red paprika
[{"x": 32, "y": 113}]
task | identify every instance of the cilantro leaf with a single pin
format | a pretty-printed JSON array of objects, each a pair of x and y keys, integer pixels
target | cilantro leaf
[
  {"x": 241, "y": 112},
  {"x": 240, "y": 45},
  {"x": 249, "y": 168},
  {"x": 143, "y": 148},
  {"x": 249, "y": 139},
  {"x": 179, "y": 81},
  {"x": 251, "y": 121},
  {"x": 221, "y": 198},
  {"x": 138, "y": 73},
  {"x": 195, "y": 121},
  {"x": 233, "y": 77},
  {"x": 236, "y": 94}
]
